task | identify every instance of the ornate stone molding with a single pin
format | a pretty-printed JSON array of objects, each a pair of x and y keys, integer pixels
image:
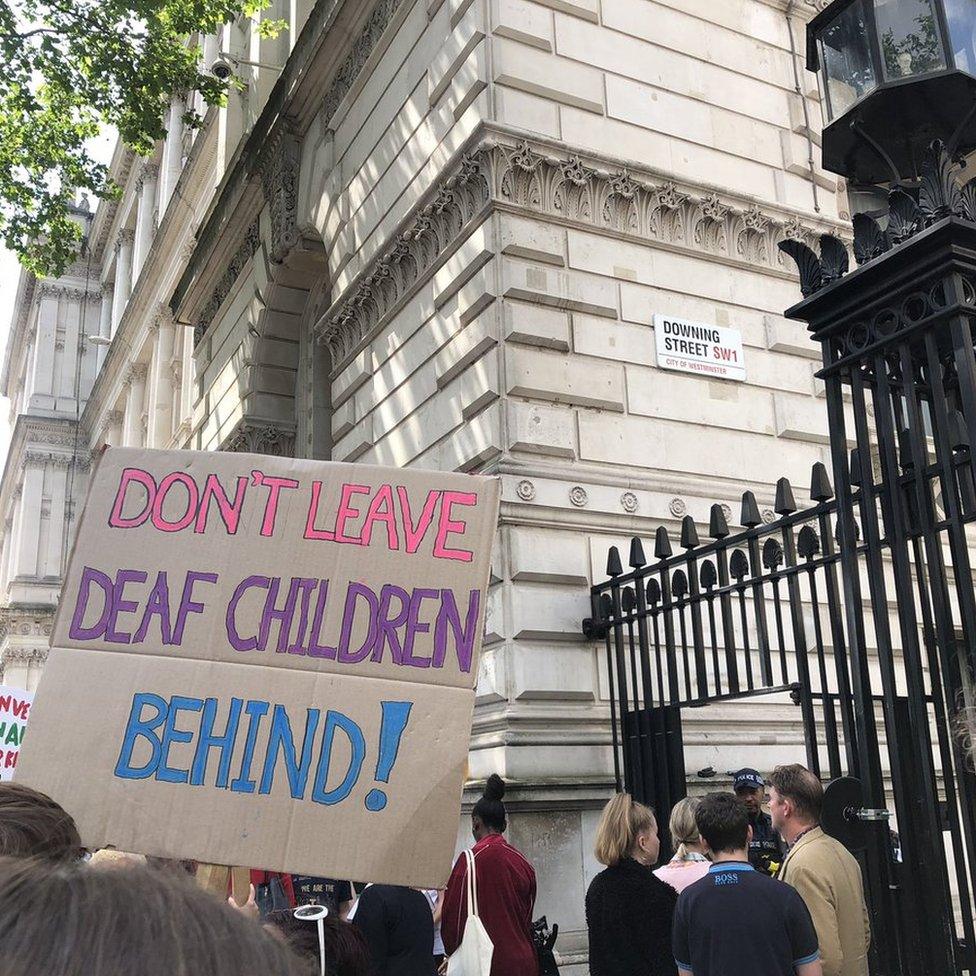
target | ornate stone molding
[
  {"x": 242, "y": 255},
  {"x": 50, "y": 290},
  {"x": 125, "y": 237},
  {"x": 29, "y": 458},
  {"x": 279, "y": 183},
  {"x": 462, "y": 196},
  {"x": 136, "y": 373},
  {"x": 363, "y": 47},
  {"x": 262, "y": 439},
  {"x": 148, "y": 173},
  {"x": 564, "y": 188}
]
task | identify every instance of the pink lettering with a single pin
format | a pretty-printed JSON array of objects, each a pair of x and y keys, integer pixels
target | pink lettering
[
  {"x": 192, "y": 499},
  {"x": 447, "y": 525},
  {"x": 414, "y": 534},
  {"x": 346, "y": 512},
  {"x": 229, "y": 512},
  {"x": 313, "y": 510},
  {"x": 138, "y": 476},
  {"x": 274, "y": 486},
  {"x": 384, "y": 498}
]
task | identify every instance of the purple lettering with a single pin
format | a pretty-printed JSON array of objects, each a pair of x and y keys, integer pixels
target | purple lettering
[
  {"x": 188, "y": 604},
  {"x": 157, "y": 604},
  {"x": 89, "y": 576},
  {"x": 449, "y": 618},
  {"x": 119, "y": 605},
  {"x": 387, "y": 632},
  {"x": 315, "y": 649},
  {"x": 415, "y": 626},
  {"x": 344, "y": 655},
  {"x": 233, "y": 637}
]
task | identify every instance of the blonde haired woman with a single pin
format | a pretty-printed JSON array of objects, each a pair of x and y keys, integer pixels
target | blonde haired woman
[
  {"x": 689, "y": 863},
  {"x": 628, "y": 910}
]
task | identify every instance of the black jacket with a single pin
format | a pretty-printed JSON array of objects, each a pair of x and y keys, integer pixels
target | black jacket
[
  {"x": 766, "y": 845},
  {"x": 628, "y": 920},
  {"x": 399, "y": 930}
]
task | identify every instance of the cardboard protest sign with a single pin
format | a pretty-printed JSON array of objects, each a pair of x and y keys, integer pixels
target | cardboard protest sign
[
  {"x": 15, "y": 706},
  {"x": 268, "y": 662}
]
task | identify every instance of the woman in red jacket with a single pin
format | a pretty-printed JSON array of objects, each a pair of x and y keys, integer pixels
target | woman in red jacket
[{"x": 506, "y": 891}]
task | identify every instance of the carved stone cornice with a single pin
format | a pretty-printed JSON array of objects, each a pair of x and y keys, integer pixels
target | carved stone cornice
[
  {"x": 363, "y": 47},
  {"x": 262, "y": 439},
  {"x": 565, "y": 188},
  {"x": 463, "y": 195},
  {"x": 242, "y": 255},
  {"x": 279, "y": 184},
  {"x": 48, "y": 289}
]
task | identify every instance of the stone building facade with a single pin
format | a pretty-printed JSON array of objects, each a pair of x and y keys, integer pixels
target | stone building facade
[{"x": 438, "y": 236}]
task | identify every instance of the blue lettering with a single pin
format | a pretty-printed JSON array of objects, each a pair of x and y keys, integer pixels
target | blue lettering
[
  {"x": 256, "y": 710},
  {"x": 281, "y": 739},
  {"x": 333, "y": 721},
  {"x": 171, "y": 734},
  {"x": 136, "y": 728},
  {"x": 208, "y": 741}
]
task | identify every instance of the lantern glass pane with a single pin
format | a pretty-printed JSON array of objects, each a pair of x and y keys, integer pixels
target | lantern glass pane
[
  {"x": 961, "y": 18},
  {"x": 908, "y": 33},
  {"x": 845, "y": 57}
]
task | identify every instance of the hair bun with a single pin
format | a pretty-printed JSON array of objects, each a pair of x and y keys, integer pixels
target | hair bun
[{"x": 494, "y": 788}]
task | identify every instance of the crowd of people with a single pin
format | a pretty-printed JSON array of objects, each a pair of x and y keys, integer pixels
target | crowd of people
[{"x": 745, "y": 892}]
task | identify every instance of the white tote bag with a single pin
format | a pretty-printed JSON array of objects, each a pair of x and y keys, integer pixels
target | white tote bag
[{"x": 473, "y": 955}]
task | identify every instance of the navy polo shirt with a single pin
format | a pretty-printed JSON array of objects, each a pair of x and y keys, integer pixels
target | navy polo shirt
[{"x": 736, "y": 920}]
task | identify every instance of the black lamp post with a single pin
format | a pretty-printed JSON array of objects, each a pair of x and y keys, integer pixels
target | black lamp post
[
  {"x": 895, "y": 75},
  {"x": 898, "y": 343}
]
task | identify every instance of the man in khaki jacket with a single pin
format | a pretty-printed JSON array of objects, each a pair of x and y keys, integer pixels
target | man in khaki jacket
[{"x": 822, "y": 870}]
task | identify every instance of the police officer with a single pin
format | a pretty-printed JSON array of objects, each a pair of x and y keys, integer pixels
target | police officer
[{"x": 766, "y": 849}]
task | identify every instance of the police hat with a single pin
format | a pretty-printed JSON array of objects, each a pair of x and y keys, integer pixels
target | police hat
[{"x": 747, "y": 779}]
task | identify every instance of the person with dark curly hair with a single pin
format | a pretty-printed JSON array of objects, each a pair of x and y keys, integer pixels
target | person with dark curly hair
[
  {"x": 34, "y": 825},
  {"x": 505, "y": 884}
]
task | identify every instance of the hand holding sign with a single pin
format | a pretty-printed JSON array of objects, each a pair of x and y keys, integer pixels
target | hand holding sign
[{"x": 278, "y": 651}]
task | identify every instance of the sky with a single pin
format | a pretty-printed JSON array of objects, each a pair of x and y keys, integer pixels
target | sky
[{"x": 101, "y": 148}]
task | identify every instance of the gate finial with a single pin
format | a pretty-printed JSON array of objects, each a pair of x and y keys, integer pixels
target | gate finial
[
  {"x": 662, "y": 544},
  {"x": 750, "y": 511},
  {"x": 636, "y": 554},
  {"x": 718, "y": 526},
  {"x": 785, "y": 503},
  {"x": 689, "y": 534},
  {"x": 614, "y": 567},
  {"x": 820, "y": 488}
]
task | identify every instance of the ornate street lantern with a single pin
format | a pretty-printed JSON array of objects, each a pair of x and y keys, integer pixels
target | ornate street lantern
[{"x": 895, "y": 75}]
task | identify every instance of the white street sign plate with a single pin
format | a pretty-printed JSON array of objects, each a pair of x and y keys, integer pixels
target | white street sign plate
[{"x": 693, "y": 347}]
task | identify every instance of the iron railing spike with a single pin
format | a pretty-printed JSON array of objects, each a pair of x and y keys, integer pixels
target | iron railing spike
[
  {"x": 750, "y": 511},
  {"x": 689, "y": 533},
  {"x": 785, "y": 503},
  {"x": 855, "y": 465},
  {"x": 718, "y": 526},
  {"x": 614, "y": 566},
  {"x": 636, "y": 554},
  {"x": 821, "y": 489},
  {"x": 662, "y": 544},
  {"x": 958, "y": 432}
]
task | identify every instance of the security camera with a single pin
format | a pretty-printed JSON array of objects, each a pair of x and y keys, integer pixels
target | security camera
[{"x": 221, "y": 70}]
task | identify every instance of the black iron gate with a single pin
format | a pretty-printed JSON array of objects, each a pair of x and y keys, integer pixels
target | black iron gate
[{"x": 862, "y": 606}]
